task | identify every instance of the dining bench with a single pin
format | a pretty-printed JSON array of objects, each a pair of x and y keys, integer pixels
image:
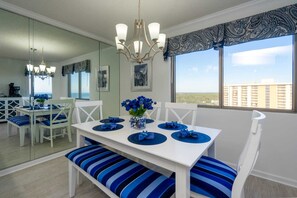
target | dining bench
[{"x": 117, "y": 175}]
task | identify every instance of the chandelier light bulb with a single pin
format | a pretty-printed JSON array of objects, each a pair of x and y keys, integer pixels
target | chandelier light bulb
[
  {"x": 36, "y": 70},
  {"x": 161, "y": 41},
  {"x": 138, "y": 46},
  {"x": 154, "y": 29},
  {"x": 30, "y": 67},
  {"x": 122, "y": 30},
  {"x": 52, "y": 69},
  {"x": 119, "y": 46}
]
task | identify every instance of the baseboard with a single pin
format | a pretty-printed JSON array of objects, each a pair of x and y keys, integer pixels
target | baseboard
[
  {"x": 269, "y": 176},
  {"x": 33, "y": 163}
]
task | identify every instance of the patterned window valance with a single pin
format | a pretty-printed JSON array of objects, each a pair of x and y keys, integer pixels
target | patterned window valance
[
  {"x": 275, "y": 23},
  {"x": 83, "y": 66}
]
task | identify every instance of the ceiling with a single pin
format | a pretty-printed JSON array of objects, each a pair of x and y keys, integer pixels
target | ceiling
[{"x": 99, "y": 17}]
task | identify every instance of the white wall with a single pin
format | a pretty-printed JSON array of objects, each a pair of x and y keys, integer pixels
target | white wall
[
  {"x": 277, "y": 160},
  {"x": 13, "y": 71}
]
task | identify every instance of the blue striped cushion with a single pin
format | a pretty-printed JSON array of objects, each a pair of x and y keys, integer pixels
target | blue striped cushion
[
  {"x": 19, "y": 120},
  {"x": 122, "y": 176},
  {"x": 212, "y": 178}
]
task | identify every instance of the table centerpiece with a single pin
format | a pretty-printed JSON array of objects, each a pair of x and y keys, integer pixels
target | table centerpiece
[{"x": 136, "y": 108}]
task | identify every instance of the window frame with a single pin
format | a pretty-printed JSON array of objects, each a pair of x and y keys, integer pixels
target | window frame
[
  {"x": 79, "y": 86},
  {"x": 221, "y": 84}
]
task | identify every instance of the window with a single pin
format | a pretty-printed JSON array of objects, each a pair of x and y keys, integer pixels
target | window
[
  {"x": 79, "y": 85},
  {"x": 197, "y": 78},
  {"x": 256, "y": 74},
  {"x": 43, "y": 86}
]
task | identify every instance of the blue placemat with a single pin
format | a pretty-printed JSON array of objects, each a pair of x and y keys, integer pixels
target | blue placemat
[
  {"x": 99, "y": 128},
  {"x": 158, "y": 139},
  {"x": 107, "y": 120},
  {"x": 149, "y": 120},
  {"x": 202, "y": 138},
  {"x": 179, "y": 127}
]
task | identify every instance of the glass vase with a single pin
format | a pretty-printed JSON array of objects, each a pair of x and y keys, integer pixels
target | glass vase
[{"x": 138, "y": 122}]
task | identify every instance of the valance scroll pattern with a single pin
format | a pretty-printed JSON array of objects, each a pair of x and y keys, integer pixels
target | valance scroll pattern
[
  {"x": 83, "y": 66},
  {"x": 275, "y": 23},
  {"x": 196, "y": 41}
]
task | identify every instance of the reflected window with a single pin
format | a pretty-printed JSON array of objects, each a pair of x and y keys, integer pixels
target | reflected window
[
  {"x": 79, "y": 85},
  {"x": 43, "y": 86}
]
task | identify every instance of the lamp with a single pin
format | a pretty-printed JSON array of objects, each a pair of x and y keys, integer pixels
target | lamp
[
  {"x": 42, "y": 71},
  {"x": 154, "y": 46}
]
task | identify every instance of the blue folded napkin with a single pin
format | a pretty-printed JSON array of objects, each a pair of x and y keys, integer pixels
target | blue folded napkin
[
  {"x": 185, "y": 133},
  {"x": 146, "y": 136},
  {"x": 108, "y": 126},
  {"x": 114, "y": 119},
  {"x": 171, "y": 125}
]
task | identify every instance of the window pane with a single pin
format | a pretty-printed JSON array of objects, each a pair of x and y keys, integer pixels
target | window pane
[
  {"x": 74, "y": 88},
  {"x": 85, "y": 85},
  {"x": 43, "y": 86},
  {"x": 197, "y": 77},
  {"x": 259, "y": 74}
]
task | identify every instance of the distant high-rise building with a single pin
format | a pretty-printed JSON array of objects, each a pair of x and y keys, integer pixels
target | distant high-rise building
[{"x": 272, "y": 95}]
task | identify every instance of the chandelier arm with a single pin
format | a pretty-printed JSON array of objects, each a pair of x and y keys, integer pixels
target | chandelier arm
[
  {"x": 127, "y": 57},
  {"x": 152, "y": 48},
  {"x": 145, "y": 35},
  {"x": 128, "y": 50}
]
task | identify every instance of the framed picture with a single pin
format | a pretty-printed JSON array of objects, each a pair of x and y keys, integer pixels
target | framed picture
[
  {"x": 103, "y": 78},
  {"x": 141, "y": 77}
]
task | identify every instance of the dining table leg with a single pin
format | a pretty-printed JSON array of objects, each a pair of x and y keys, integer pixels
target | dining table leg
[
  {"x": 79, "y": 143},
  {"x": 182, "y": 182},
  {"x": 32, "y": 127}
]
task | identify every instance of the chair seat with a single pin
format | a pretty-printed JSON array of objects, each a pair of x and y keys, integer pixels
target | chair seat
[
  {"x": 60, "y": 117},
  {"x": 19, "y": 120},
  {"x": 122, "y": 176},
  {"x": 48, "y": 122},
  {"x": 212, "y": 178},
  {"x": 89, "y": 141}
]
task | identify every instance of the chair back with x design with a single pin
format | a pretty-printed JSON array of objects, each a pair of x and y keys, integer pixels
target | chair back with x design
[
  {"x": 181, "y": 111},
  {"x": 155, "y": 113},
  {"x": 88, "y": 110}
]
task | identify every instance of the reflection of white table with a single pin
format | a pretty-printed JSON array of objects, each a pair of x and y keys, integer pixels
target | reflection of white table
[
  {"x": 172, "y": 155},
  {"x": 33, "y": 115}
]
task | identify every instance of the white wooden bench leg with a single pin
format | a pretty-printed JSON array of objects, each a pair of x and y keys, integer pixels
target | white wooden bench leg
[{"x": 72, "y": 179}]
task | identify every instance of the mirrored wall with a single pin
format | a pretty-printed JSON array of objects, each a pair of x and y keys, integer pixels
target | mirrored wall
[{"x": 25, "y": 41}]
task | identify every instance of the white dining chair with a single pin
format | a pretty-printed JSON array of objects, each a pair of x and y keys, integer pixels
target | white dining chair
[
  {"x": 60, "y": 116},
  {"x": 180, "y": 112},
  {"x": 155, "y": 113},
  {"x": 86, "y": 111},
  {"x": 213, "y": 178}
]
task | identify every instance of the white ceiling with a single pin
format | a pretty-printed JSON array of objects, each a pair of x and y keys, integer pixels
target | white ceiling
[{"x": 99, "y": 17}]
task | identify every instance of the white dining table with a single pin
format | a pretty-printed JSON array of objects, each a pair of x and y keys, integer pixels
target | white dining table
[
  {"x": 173, "y": 155},
  {"x": 33, "y": 114}
]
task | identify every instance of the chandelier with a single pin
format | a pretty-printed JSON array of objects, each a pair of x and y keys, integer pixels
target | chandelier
[
  {"x": 140, "y": 40},
  {"x": 42, "y": 71}
]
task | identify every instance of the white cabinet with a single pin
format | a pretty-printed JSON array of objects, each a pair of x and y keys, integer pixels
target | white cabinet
[{"x": 7, "y": 107}]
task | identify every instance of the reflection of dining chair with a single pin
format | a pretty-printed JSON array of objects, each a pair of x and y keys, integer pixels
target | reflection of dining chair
[
  {"x": 181, "y": 111},
  {"x": 88, "y": 111},
  {"x": 213, "y": 178},
  {"x": 155, "y": 113},
  {"x": 60, "y": 116},
  {"x": 26, "y": 101},
  {"x": 22, "y": 123}
]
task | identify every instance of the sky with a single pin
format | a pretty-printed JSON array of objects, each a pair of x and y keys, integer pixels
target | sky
[{"x": 244, "y": 63}]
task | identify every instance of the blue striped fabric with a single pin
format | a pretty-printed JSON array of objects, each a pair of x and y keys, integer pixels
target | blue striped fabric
[
  {"x": 19, "y": 120},
  {"x": 122, "y": 176},
  {"x": 212, "y": 178}
]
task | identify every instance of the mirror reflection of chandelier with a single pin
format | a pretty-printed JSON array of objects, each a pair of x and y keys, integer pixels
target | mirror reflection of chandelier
[
  {"x": 42, "y": 71},
  {"x": 154, "y": 46}
]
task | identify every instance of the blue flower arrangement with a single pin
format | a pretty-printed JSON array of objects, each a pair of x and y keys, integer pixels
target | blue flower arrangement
[
  {"x": 41, "y": 97},
  {"x": 138, "y": 106}
]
